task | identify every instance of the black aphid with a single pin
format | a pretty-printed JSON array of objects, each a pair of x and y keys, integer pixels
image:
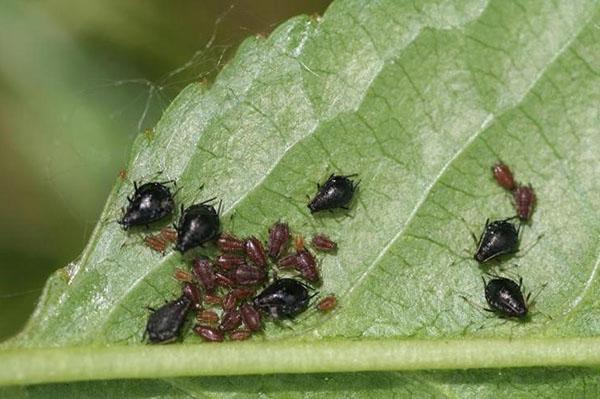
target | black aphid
[
  {"x": 283, "y": 299},
  {"x": 498, "y": 238},
  {"x": 337, "y": 192},
  {"x": 198, "y": 224},
  {"x": 506, "y": 298},
  {"x": 164, "y": 323},
  {"x": 150, "y": 202}
]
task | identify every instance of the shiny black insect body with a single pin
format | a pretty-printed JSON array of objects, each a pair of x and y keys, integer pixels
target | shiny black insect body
[
  {"x": 504, "y": 296},
  {"x": 283, "y": 299},
  {"x": 198, "y": 224},
  {"x": 150, "y": 202},
  {"x": 498, "y": 238},
  {"x": 337, "y": 192},
  {"x": 164, "y": 323}
]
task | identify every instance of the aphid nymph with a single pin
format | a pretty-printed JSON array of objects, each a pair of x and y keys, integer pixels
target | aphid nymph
[
  {"x": 279, "y": 235},
  {"x": 503, "y": 176},
  {"x": 524, "y": 197}
]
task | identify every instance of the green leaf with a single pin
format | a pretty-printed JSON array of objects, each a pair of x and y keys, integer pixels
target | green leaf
[{"x": 420, "y": 99}]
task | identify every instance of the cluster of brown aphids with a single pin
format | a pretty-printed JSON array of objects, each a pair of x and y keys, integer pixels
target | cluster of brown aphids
[
  {"x": 231, "y": 305},
  {"x": 523, "y": 196},
  {"x": 500, "y": 237},
  {"x": 229, "y": 293}
]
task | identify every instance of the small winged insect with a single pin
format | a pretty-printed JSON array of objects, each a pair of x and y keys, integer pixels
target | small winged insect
[
  {"x": 524, "y": 197},
  {"x": 198, "y": 224},
  {"x": 505, "y": 297},
  {"x": 498, "y": 238},
  {"x": 164, "y": 324},
  {"x": 336, "y": 192},
  {"x": 149, "y": 203},
  {"x": 283, "y": 299}
]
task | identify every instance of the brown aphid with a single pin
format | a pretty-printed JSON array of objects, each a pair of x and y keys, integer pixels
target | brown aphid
[
  {"x": 327, "y": 304},
  {"x": 255, "y": 252},
  {"x": 249, "y": 275},
  {"x": 209, "y": 334},
  {"x": 230, "y": 261},
  {"x": 306, "y": 264},
  {"x": 230, "y": 243},
  {"x": 299, "y": 243},
  {"x": 207, "y": 317},
  {"x": 183, "y": 276},
  {"x": 229, "y": 301},
  {"x": 213, "y": 300},
  {"x": 205, "y": 274},
  {"x": 224, "y": 280},
  {"x": 250, "y": 317},
  {"x": 323, "y": 243},
  {"x": 168, "y": 234},
  {"x": 524, "y": 197},
  {"x": 243, "y": 293},
  {"x": 123, "y": 174},
  {"x": 240, "y": 335},
  {"x": 230, "y": 320},
  {"x": 288, "y": 261},
  {"x": 192, "y": 292},
  {"x": 159, "y": 242},
  {"x": 503, "y": 176},
  {"x": 279, "y": 236},
  {"x": 156, "y": 242}
]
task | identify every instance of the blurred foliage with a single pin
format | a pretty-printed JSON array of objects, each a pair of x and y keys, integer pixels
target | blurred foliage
[{"x": 78, "y": 80}]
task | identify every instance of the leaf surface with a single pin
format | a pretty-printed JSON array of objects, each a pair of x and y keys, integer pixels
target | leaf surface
[{"x": 420, "y": 99}]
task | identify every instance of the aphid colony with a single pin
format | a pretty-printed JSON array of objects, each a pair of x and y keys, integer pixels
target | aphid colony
[
  {"x": 231, "y": 293},
  {"x": 505, "y": 296}
]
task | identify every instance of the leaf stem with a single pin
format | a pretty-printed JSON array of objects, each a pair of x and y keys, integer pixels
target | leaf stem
[{"x": 43, "y": 365}]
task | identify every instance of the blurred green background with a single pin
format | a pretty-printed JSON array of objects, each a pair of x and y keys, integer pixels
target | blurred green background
[{"x": 78, "y": 81}]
